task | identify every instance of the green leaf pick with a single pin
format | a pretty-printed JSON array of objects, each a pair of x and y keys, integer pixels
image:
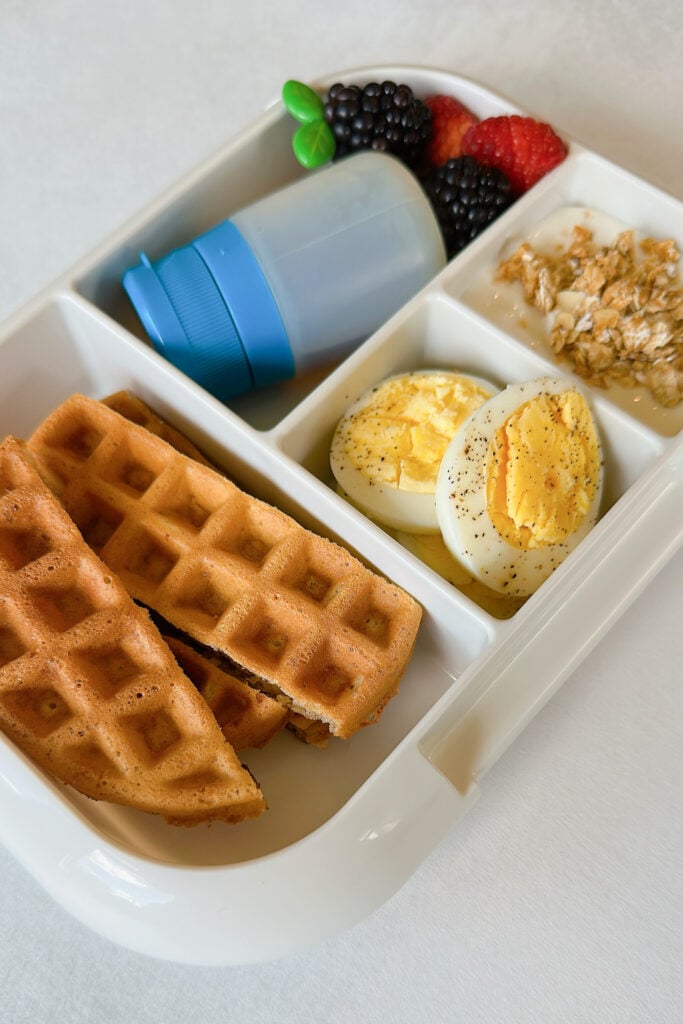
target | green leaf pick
[
  {"x": 302, "y": 103},
  {"x": 313, "y": 144}
]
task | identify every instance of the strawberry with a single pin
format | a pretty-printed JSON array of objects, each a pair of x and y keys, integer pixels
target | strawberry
[
  {"x": 450, "y": 121},
  {"x": 524, "y": 149}
]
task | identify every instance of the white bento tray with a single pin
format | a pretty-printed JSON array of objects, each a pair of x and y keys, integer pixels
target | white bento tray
[{"x": 347, "y": 825}]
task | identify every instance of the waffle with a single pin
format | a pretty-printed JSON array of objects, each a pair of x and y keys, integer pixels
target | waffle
[
  {"x": 88, "y": 689},
  {"x": 229, "y": 570},
  {"x": 134, "y": 409},
  {"x": 316, "y": 734},
  {"x": 247, "y": 717}
]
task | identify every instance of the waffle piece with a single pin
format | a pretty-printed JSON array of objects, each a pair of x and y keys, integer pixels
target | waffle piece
[
  {"x": 88, "y": 689},
  {"x": 134, "y": 409},
  {"x": 247, "y": 717},
  {"x": 316, "y": 734},
  {"x": 229, "y": 570}
]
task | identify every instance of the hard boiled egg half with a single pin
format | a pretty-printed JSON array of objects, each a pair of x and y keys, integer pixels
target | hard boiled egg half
[
  {"x": 387, "y": 449},
  {"x": 520, "y": 484}
]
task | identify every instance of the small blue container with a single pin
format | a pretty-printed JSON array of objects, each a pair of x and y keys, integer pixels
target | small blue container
[{"x": 294, "y": 281}]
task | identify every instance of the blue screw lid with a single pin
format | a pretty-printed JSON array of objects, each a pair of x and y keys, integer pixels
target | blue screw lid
[
  {"x": 255, "y": 314},
  {"x": 208, "y": 309}
]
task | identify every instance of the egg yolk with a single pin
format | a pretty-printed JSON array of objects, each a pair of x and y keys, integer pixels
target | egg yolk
[
  {"x": 400, "y": 436},
  {"x": 542, "y": 470}
]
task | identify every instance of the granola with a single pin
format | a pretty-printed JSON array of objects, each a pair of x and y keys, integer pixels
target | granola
[{"x": 618, "y": 309}]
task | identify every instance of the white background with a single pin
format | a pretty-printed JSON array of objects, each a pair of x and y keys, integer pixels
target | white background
[{"x": 559, "y": 898}]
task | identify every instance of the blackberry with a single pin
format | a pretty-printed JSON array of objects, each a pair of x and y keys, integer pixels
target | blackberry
[
  {"x": 466, "y": 196},
  {"x": 382, "y": 116}
]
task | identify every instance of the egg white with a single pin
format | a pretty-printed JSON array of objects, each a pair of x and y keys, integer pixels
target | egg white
[
  {"x": 396, "y": 507},
  {"x": 461, "y": 501}
]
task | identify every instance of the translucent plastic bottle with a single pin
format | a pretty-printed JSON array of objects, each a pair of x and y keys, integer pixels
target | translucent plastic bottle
[{"x": 294, "y": 281}]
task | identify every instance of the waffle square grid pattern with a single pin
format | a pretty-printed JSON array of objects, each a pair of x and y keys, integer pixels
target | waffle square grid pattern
[
  {"x": 247, "y": 717},
  {"x": 88, "y": 688},
  {"x": 229, "y": 570}
]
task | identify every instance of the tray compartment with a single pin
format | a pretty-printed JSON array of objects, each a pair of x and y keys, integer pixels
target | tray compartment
[
  {"x": 584, "y": 180},
  {"x": 435, "y": 331},
  {"x": 305, "y": 787},
  {"x": 260, "y": 162}
]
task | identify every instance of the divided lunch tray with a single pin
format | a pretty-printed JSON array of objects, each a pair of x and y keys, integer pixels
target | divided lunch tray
[{"x": 346, "y": 826}]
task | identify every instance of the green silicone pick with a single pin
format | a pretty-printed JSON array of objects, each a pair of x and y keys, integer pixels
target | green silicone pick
[
  {"x": 313, "y": 142},
  {"x": 302, "y": 103}
]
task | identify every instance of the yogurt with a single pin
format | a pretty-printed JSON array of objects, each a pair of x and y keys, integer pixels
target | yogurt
[{"x": 504, "y": 304}]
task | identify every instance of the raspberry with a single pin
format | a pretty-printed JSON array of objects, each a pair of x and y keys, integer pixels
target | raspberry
[
  {"x": 466, "y": 196},
  {"x": 524, "y": 149},
  {"x": 380, "y": 115},
  {"x": 450, "y": 120}
]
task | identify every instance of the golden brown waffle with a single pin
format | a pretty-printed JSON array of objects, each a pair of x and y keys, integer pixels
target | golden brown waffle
[
  {"x": 88, "y": 689},
  {"x": 247, "y": 717},
  {"x": 134, "y": 409},
  {"x": 229, "y": 570}
]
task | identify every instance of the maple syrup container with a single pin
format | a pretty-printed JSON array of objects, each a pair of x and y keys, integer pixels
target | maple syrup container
[{"x": 294, "y": 281}]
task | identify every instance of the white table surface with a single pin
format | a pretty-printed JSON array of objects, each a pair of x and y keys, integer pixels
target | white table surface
[{"x": 559, "y": 897}]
